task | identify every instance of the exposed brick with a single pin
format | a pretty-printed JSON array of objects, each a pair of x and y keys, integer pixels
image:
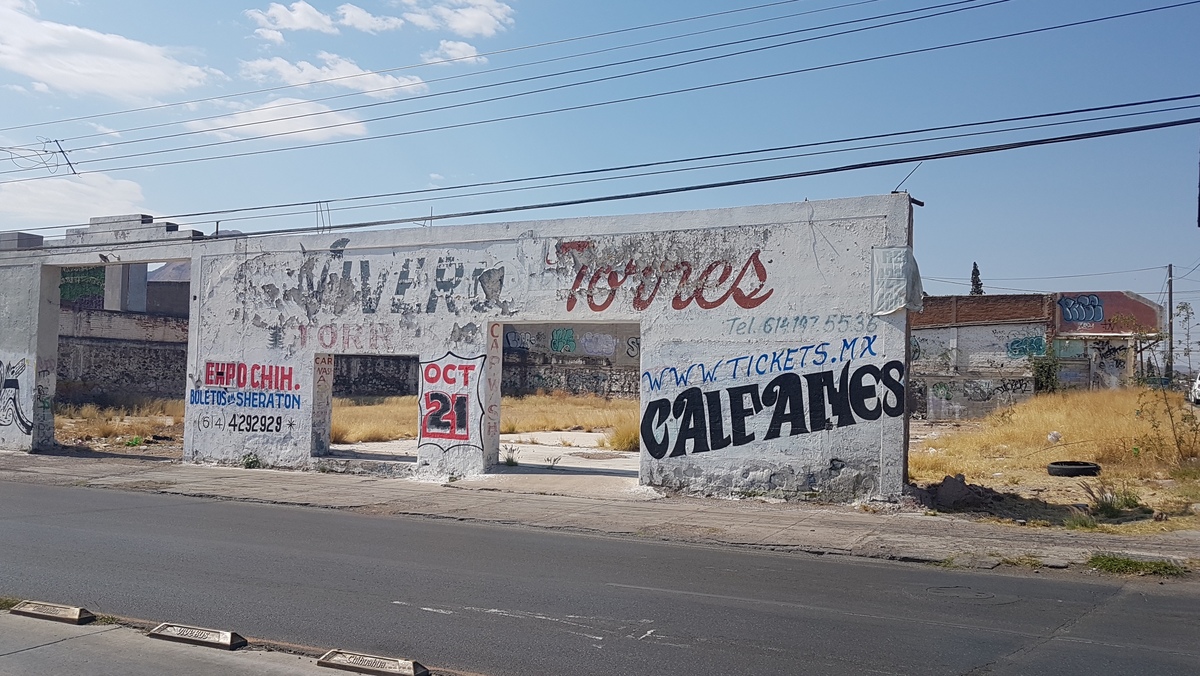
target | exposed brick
[{"x": 950, "y": 310}]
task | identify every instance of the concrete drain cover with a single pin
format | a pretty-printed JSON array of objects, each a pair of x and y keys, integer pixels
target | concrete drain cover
[
  {"x": 370, "y": 664},
  {"x": 212, "y": 638},
  {"x": 960, "y": 593},
  {"x": 52, "y": 611}
]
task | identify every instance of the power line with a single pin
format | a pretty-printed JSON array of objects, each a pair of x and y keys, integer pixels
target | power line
[
  {"x": 626, "y": 99},
  {"x": 692, "y": 159},
  {"x": 684, "y": 169},
  {"x": 534, "y": 78},
  {"x": 964, "y": 152},
  {"x": 397, "y": 68},
  {"x": 1091, "y": 274},
  {"x": 455, "y": 77}
]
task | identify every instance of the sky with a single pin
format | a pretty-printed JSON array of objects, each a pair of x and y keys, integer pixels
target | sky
[{"x": 322, "y": 102}]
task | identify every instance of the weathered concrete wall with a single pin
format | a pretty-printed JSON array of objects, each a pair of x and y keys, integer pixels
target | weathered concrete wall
[
  {"x": 108, "y": 357},
  {"x": 773, "y": 339},
  {"x": 122, "y": 326},
  {"x": 969, "y": 371},
  {"x": 374, "y": 376},
  {"x": 95, "y": 370},
  {"x": 172, "y": 299},
  {"x": 738, "y": 290},
  {"x": 29, "y": 306},
  {"x": 581, "y": 358}
]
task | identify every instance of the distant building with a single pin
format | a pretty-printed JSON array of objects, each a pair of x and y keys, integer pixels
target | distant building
[{"x": 974, "y": 354}]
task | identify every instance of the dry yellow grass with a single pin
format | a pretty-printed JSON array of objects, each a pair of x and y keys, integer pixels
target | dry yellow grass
[
  {"x": 373, "y": 419},
  {"x": 356, "y": 420},
  {"x": 626, "y": 434},
  {"x": 559, "y": 411},
  {"x": 1128, "y": 431}
]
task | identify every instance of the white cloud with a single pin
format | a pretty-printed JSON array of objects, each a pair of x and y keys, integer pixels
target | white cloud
[
  {"x": 350, "y": 74},
  {"x": 436, "y": 177},
  {"x": 79, "y": 60},
  {"x": 266, "y": 119},
  {"x": 270, "y": 35},
  {"x": 300, "y": 17},
  {"x": 72, "y": 199},
  {"x": 357, "y": 17},
  {"x": 450, "y": 52},
  {"x": 109, "y": 131},
  {"x": 468, "y": 18}
]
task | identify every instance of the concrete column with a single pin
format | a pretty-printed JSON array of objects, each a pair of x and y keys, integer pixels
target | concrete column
[
  {"x": 493, "y": 368},
  {"x": 46, "y": 377},
  {"x": 28, "y": 355},
  {"x": 451, "y": 429},
  {"x": 322, "y": 404},
  {"x": 125, "y": 288}
]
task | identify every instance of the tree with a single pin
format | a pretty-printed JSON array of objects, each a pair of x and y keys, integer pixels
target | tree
[{"x": 976, "y": 282}]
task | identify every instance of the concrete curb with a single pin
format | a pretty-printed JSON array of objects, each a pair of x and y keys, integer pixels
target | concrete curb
[{"x": 892, "y": 534}]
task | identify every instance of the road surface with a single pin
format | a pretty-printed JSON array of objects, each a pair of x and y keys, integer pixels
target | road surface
[{"x": 498, "y": 600}]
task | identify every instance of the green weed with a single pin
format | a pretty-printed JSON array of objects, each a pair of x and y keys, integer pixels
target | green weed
[{"x": 1123, "y": 565}]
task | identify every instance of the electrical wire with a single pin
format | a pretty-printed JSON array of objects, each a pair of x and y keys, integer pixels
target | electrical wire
[
  {"x": 626, "y": 99},
  {"x": 686, "y": 160},
  {"x": 1090, "y": 274},
  {"x": 472, "y": 74},
  {"x": 191, "y": 102},
  {"x": 534, "y": 78},
  {"x": 963, "y": 152},
  {"x": 695, "y": 168}
]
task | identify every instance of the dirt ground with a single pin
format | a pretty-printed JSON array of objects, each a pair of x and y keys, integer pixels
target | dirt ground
[
  {"x": 164, "y": 442},
  {"x": 1034, "y": 495}
]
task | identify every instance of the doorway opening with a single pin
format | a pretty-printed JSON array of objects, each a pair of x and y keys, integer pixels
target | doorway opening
[
  {"x": 570, "y": 400},
  {"x": 373, "y": 413},
  {"x": 121, "y": 359}
]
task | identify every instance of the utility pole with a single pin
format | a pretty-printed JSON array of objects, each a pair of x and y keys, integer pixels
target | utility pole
[{"x": 1170, "y": 371}]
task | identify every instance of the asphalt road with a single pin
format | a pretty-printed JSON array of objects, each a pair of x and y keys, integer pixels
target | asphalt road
[{"x": 497, "y": 600}]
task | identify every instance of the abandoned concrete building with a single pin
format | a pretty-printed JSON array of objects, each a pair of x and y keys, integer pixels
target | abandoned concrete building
[
  {"x": 123, "y": 336},
  {"x": 974, "y": 354},
  {"x": 771, "y": 342}
]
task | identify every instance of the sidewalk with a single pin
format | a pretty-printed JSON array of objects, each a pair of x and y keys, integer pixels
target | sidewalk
[
  {"x": 32, "y": 646},
  {"x": 603, "y": 497}
]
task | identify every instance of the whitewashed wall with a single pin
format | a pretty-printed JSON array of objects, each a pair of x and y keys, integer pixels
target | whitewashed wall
[
  {"x": 763, "y": 367},
  {"x": 28, "y": 355}
]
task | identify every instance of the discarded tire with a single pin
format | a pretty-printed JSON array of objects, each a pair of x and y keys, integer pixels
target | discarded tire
[{"x": 1073, "y": 468}]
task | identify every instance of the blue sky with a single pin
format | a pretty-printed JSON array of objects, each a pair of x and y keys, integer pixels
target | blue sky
[{"x": 1082, "y": 208}]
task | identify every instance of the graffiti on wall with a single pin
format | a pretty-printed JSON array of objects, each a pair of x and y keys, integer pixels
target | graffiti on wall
[
  {"x": 10, "y": 398},
  {"x": 1029, "y": 346},
  {"x": 707, "y": 284},
  {"x": 1108, "y": 312},
  {"x": 562, "y": 340},
  {"x": 1084, "y": 308},
  {"x": 694, "y": 422},
  {"x": 451, "y": 410}
]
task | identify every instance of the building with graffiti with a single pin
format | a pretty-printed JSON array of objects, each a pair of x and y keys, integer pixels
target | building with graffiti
[
  {"x": 974, "y": 354},
  {"x": 770, "y": 342}
]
